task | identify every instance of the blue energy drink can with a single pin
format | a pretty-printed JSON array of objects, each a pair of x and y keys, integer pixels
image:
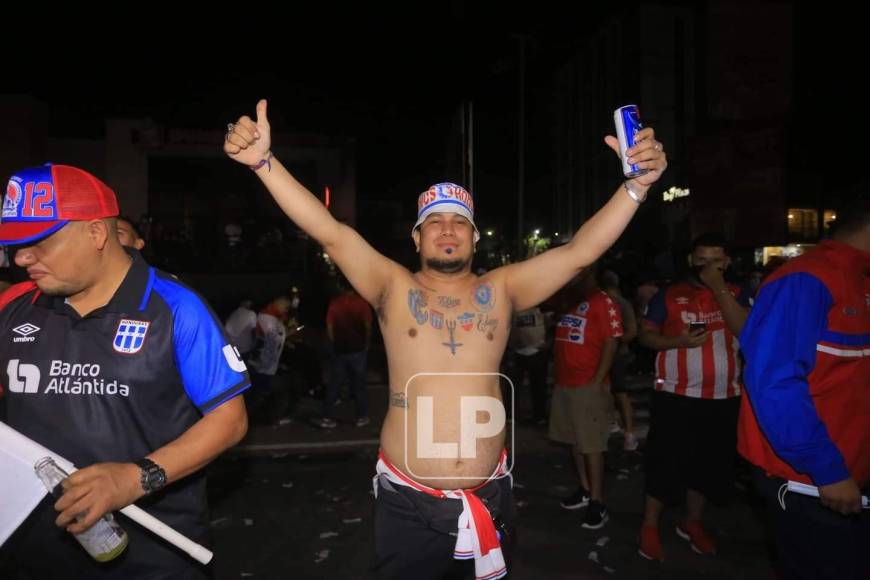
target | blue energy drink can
[{"x": 627, "y": 121}]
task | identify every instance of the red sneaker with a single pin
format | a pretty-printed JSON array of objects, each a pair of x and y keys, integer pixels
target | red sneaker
[
  {"x": 651, "y": 544},
  {"x": 697, "y": 537}
]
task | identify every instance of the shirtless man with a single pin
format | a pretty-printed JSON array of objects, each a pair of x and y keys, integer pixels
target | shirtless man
[{"x": 433, "y": 501}]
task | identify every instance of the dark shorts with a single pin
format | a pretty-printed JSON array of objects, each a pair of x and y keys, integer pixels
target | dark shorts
[
  {"x": 691, "y": 445},
  {"x": 415, "y": 533}
]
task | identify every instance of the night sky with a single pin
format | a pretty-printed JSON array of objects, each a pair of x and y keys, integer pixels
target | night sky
[{"x": 393, "y": 79}]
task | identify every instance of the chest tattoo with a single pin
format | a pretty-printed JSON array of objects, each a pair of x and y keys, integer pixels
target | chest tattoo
[
  {"x": 448, "y": 302},
  {"x": 482, "y": 299},
  {"x": 483, "y": 296},
  {"x": 417, "y": 305},
  {"x": 451, "y": 328}
]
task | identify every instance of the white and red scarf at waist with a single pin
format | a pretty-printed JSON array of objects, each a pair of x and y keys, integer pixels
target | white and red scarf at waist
[{"x": 476, "y": 534}]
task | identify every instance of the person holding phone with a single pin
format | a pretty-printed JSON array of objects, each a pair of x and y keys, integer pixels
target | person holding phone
[{"x": 693, "y": 326}]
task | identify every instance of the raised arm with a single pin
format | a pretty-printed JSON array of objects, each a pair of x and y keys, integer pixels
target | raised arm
[
  {"x": 533, "y": 281},
  {"x": 249, "y": 143}
]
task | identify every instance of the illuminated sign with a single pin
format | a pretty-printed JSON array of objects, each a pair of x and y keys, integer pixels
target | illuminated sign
[{"x": 674, "y": 193}]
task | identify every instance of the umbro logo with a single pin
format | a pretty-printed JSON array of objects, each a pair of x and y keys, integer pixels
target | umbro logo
[{"x": 25, "y": 330}]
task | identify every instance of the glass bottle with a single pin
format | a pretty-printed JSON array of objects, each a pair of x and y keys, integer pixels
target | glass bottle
[{"x": 106, "y": 539}]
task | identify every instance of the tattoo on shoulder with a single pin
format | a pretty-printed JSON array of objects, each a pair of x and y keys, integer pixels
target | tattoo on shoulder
[
  {"x": 483, "y": 296},
  {"x": 398, "y": 400}
]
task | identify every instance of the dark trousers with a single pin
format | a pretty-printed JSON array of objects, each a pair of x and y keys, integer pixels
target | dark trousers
[
  {"x": 304, "y": 360},
  {"x": 813, "y": 542},
  {"x": 535, "y": 367},
  {"x": 270, "y": 398},
  {"x": 415, "y": 533},
  {"x": 353, "y": 367}
]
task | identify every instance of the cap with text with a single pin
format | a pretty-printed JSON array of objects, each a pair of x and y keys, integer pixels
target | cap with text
[
  {"x": 446, "y": 198},
  {"x": 41, "y": 200}
]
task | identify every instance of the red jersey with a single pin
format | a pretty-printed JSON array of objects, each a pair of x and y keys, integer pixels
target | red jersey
[
  {"x": 580, "y": 336},
  {"x": 349, "y": 315},
  {"x": 709, "y": 371}
]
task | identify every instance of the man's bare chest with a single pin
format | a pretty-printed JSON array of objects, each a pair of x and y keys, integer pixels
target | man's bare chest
[{"x": 450, "y": 321}]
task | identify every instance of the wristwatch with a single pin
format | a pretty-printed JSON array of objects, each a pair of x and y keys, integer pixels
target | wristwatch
[{"x": 153, "y": 477}]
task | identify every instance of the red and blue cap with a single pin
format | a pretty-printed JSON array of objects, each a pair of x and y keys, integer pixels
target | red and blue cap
[
  {"x": 446, "y": 198},
  {"x": 41, "y": 200}
]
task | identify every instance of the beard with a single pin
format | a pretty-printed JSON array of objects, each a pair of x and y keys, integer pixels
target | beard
[{"x": 447, "y": 266}]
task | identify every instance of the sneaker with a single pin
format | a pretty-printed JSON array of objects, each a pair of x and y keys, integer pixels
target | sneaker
[
  {"x": 363, "y": 421},
  {"x": 651, "y": 544},
  {"x": 615, "y": 428},
  {"x": 577, "y": 500},
  {"x": 697, "y": 537},
  {"x": 325, "y": 423},
  {"x": 596, "y": 516},
  {"x": 630, "y": 442}
]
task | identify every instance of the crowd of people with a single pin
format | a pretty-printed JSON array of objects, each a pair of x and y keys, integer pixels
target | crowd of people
[{"x": 774, "y": 369}]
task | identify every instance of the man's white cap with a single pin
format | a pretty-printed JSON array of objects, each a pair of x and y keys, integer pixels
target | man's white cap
[{"x": 446, "y": 198}]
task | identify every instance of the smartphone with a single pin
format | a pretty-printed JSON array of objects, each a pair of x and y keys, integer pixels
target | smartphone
[{"x": 693, "y": 326}]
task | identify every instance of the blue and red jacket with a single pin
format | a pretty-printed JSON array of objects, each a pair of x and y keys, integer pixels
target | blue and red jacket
[{"x": 807, "y": 376}]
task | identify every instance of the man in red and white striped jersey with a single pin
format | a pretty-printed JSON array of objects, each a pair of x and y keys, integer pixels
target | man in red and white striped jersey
[{"x": 692, "y": 439}]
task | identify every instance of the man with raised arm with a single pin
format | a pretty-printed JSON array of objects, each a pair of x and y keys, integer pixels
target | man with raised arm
[{"x": 441, "y": 495}]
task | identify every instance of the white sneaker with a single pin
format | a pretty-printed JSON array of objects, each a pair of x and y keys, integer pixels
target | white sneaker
[{"x": 363, "y": 421}]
